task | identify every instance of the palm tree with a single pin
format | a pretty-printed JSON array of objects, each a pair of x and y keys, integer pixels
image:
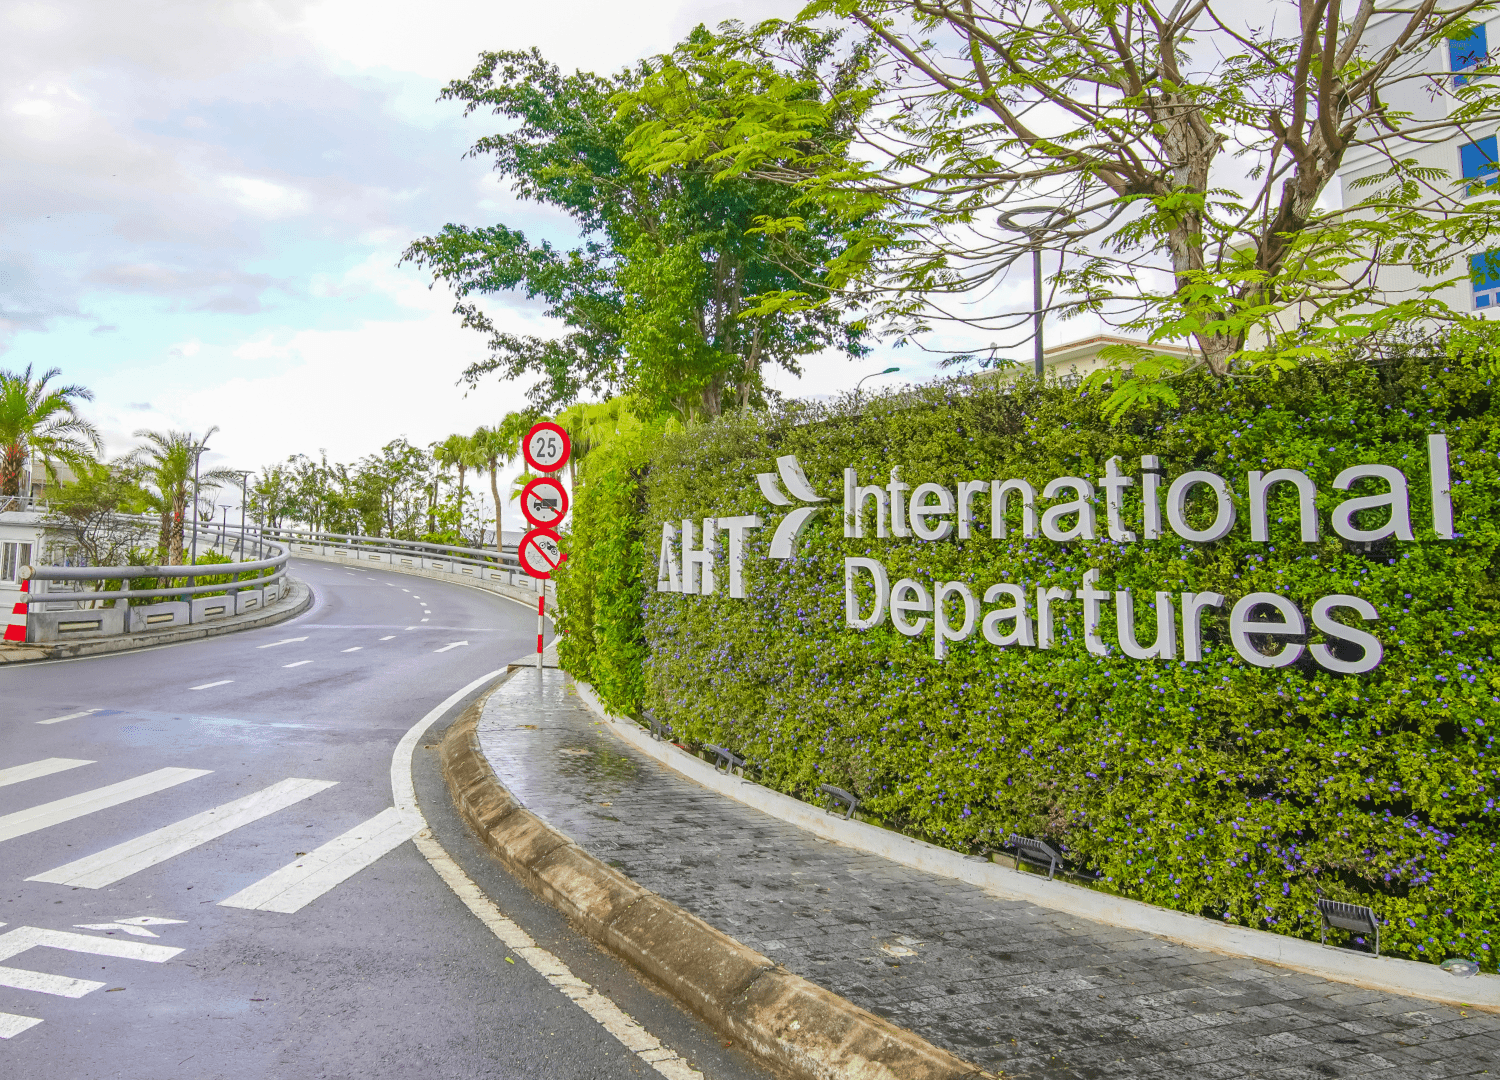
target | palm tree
[
  {"x": 496, "y": 448},
  {"x": 455, "y": 452},
  {"x": 166, "y": 466},
  {"x": 38, "y": 421}
]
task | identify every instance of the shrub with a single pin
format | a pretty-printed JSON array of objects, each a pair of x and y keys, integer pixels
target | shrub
[{"x": 1212, "y": 787}]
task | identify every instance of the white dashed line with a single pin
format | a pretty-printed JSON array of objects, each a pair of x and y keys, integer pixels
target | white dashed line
[
  {"x": 297, "y": 663},
  {"x": 388, "y": 637},
  {"x": 210, "y": 685},
  {"x": 70, "y": 716},
  {"x": 355, "y": 649}
]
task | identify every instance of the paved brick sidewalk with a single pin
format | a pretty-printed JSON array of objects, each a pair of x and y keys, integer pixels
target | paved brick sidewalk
[{"x": 1013, "y": 987}]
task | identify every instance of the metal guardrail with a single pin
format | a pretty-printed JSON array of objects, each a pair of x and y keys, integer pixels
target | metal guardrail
[
  {"x": 190, "y": 602},
  {"x": 503, "y": 557},
  {"x": 187, "y": 602}
]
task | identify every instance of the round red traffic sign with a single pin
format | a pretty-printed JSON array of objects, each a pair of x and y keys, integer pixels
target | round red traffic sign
[
  {"x": 547, "y": 447},
  {"x": 544, "y": 502},
  {"x": 540, "y": 552}
]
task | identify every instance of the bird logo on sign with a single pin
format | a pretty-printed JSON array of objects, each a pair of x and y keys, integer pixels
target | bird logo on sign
[{"x": 792, "y": 526}]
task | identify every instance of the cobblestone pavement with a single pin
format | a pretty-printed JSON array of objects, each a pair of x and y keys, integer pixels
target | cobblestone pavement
[{"x": 1013, "y": 987}]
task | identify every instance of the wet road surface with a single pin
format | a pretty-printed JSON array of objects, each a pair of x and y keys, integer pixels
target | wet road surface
[{"x": 201, "y": 873}]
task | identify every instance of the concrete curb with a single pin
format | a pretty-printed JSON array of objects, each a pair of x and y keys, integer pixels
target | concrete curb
[
  {"x": 795, "y": 1026},
  {"x": 1387, "y": 974},
  {"x": 298, "y": 599}
]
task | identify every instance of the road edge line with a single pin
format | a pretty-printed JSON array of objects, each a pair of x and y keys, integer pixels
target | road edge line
[
  {"x": 629, "y": 1032},
  {"x": 790, "y": 1023}
]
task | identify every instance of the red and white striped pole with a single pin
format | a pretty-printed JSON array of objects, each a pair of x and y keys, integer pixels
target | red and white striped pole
[
  {"x": 541, "y": 611},
  {"x": 16, "y": 631}
]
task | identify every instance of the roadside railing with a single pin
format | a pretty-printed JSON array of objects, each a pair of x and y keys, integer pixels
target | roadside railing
[
  {"x": 60, "y": 608},
  {"x": 504, "y": 557},
  {"x": 485, "y": 567}
]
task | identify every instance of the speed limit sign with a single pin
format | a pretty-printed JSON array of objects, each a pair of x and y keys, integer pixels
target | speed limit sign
[
  {"x": 547, "y": 447},
  {"x": 544, "y": 502},
  {"x": 540, "y": 552}
]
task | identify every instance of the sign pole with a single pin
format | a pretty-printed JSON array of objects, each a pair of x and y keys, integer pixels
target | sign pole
[{"x": 544, "y": 503}]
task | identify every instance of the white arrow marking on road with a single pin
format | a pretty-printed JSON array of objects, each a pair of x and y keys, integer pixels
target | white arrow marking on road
[
  {"x": 211, "y": 685},
  {"x": 135, "y": 926},
  {"x": 14, "y": 942},
  {"x": 70, "y": 716},
  {"x": 286, "y": 641},
  {"x": 46, "y": 767},
  {"x": 451, "y": 645}
]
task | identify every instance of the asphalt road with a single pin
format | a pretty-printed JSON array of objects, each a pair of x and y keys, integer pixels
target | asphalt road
[{"x": 286, "y": 735}]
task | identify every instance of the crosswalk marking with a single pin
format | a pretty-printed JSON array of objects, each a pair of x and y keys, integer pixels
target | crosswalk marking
[
  {"x": 14, "y": 942},
  {"x": 12, "y": 1025},
  {"x": 75, "y": 806},
  {"x": 46, "y": 767},
  {"x": 119, "y": 862},
  {"x": 300, "y": 883},
  {"x": 70, "y": 716}
]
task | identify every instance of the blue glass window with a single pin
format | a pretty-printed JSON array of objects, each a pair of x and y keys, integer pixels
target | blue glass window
[
  {"x": 1479, "y": 161},
  {"x": 1484, "y": 273},
  {"x": 1467, "y": 52}
]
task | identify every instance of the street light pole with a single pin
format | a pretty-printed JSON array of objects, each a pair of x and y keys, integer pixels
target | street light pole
[
  {"x": 193, "y": 557},
  {"x": 887, "y": 371},
  {"x": 1051, "y": 217},
  {"x": 1036, "y": 296}
]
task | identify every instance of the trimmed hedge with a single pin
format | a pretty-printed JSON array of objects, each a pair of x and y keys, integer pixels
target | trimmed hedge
[{"x": 1212, "y": 787}]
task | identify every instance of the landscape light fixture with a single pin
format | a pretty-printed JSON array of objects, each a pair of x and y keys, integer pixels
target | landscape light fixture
[{"x": 1041, "y": 218}]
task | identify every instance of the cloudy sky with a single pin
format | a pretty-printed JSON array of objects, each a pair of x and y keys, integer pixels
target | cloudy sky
[{"x": 205, "y": 204}]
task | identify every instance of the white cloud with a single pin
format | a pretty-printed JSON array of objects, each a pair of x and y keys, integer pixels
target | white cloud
[{"x": 265, "y": 198}]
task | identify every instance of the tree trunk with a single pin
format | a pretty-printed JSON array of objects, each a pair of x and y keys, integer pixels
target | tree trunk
[
  {"x": 495, "y": 491},
  {"x": 12, "y": 463}
]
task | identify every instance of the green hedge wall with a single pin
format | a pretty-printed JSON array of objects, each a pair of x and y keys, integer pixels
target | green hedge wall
[{"x": 1212, "y": 787}]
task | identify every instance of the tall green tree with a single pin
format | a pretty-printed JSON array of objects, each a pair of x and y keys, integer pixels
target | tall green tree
[
  {"x": 674, "y": 295},
  {"x": 457, "y": 452},
  {"x": 164, "y": 463},
  {"x": 41, "y": 420},
  {"x": 1183, "y": 153},
  {"x": 496, "y": 447}
]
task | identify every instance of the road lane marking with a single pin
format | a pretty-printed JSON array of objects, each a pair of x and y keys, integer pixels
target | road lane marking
[
  {"x": 284, "y": 641},
  {"x": 75, "y": 806},
  {"x": 121, "y": 861},
  {"x": 136, "y": 926},
  {"x": 297, "y": 663},
  {"x": 355, "y": 649},
  {"x": 610, "y": 1016},
  {"x": 388, "y": 637},
  {"x": 12, "y": 1025},
  {"x": 211, "y": 685},
  {"x": 70, "y": 716},
  {"x": 14, "y": 942},
  {"x": 299, "y": 883},
  {"x": 424, "y": 620},
  {"x": 451, "y": 645},
  {"x": 46, "y": 767}
]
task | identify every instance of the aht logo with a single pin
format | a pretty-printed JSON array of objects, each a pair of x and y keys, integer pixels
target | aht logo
[{"x": 698, "y": 564}]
